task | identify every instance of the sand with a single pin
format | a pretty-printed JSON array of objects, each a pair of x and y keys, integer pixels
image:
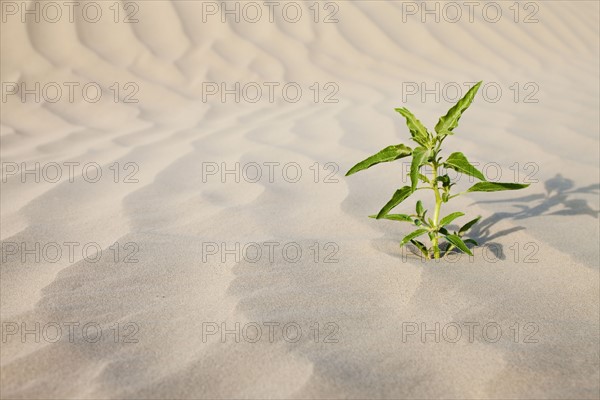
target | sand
[{"x": 223, "y": 254}]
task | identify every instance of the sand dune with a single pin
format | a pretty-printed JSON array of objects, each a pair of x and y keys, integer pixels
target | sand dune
[{"x": 189, "y": 172}]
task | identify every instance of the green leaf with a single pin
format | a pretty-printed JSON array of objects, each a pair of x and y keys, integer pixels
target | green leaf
[
  {"x": 399, "y": 196},
  {"x": 450, "y": 217},
  {"x": 388, "y": 154},
  {"x": 417, "y": 130},
  {"x": 459, "y": 162},
  {"x": 412, "y": 235},
  {"x": 457, "y": 241},
  {"x": 424, "y": 178},
  {"x": 445, "y": 179},
  {"x": 395, "y": 217},
  {"x": 496, "y": 186},
  {"x": 471, "y": 241},
  {"x": 419, "y": 208},
  {"x": 422, "y": 221},
  {"x": 443, "y": 231},
  {"x": 448, "y": 122},
  {"x": 421, "y": 247},
  {"x": 468, "y": 226},
  {"x": 420, "y": 155}
]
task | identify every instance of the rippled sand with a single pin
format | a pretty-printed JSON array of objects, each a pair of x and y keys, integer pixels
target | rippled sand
[{"x": 351, "y": 316}]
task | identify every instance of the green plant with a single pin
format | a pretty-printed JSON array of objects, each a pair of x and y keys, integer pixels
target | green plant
[{"x": 428, "y": 154}]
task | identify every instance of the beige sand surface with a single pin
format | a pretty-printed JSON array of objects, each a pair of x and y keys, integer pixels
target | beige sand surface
[{"x": 536, "y": 279}]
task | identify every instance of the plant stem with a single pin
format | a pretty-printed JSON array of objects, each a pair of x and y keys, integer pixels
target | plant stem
[{"x": 436, "y": 213}]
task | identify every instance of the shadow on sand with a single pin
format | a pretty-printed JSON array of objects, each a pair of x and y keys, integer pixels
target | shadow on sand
[{"x": 556, "y": 201}]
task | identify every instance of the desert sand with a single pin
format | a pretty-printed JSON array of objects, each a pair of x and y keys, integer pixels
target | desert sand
[{"x": 187, "y": 175}]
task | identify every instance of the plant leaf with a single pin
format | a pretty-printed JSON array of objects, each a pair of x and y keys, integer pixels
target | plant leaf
[
  {"x": 455, "y": 240},
  {"x": 412, "y": 235},
  {"x": 419, "y": 208},
  {"x": 421, "y": 247},
  {"x": 472, "y": 241},
  {"x": 457, "y": 161},
  {"x": 468, "y": 226},
  {"x": 399, "y": 196},
  {"x": 388, "y": 154},
  {"x": 420, "y": 155},
  {"x": 448, "y": 122},
  {"x": 424, "y": 178},
  {"x": 445, "y": 179},
  {"x": 395, "y": 217},
  {"x": 496, "y": 186},
  {"x": 417, "y": 130},
  {"x": 450, "y": 217}
]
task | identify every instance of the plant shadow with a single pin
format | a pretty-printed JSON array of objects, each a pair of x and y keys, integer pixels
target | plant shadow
[{"x": 556, "y": 201}]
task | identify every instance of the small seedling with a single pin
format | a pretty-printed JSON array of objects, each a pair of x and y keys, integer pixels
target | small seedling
[{"x": 428, "y": 154}]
